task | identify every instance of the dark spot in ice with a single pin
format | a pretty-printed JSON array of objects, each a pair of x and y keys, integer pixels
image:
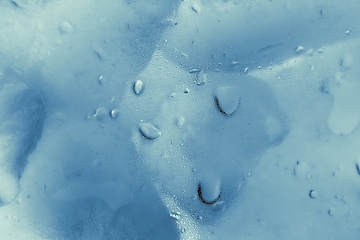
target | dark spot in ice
[
  {"x": 14, "y": 3},
  {"x": 203, "y": 200},
  {"x": 357, "y": 168},
  {"x": 98, "y": 55}
]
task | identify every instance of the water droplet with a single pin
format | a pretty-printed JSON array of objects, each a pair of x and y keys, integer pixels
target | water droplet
[
  {"x": 195, "y": 7},
  {"x": 175, "y": 214},
  {"x": 186, "y": 90},
  {"x": 299, "y": 50},
  {"x": 115, "y": 113},
  {"x": 246, "y": 70},
  {"x": 100, "y": 114},
  {"x": 209, "y": 190},
  {"x": 200, "y": 78},
  {"x": 149, "y": 130},
  {"x": 180, "y": 121},
  {"x": 169, "y": 22},
  {"x": 313, "y": 194},
  {"x": 346, "y": 62},
  {"x": 101, "y": 79},
  {"x": 347, "y": 32},
  {"x": 227, "y": 100},
  {"x": 195, "y": 70},
  {"x": 331, "y": 211},
  {"x": 138, "y": 87},
  {"x": 65, "y": 28},
  {"x": 183, "y": 230}
]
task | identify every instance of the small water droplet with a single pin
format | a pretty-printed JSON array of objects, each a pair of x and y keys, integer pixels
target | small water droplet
[
  {"x": 331, "y": 211},
  {"x": 175, "y": 214},
  {"x": 347, "y": 32},
  {"x": 100, "y": 114},
  {"x": 149, "y": 130},
  {"x": 138, "y": 87},
  {"x": 173, "y": 95},
  {"x": 180, "y": 121},
  {"x": 246, "y": 70},
  {"x": 313, "y": 194},
  {"x": 101, "y": 79},
  {"x": 115, "y": 113},
  {"x": 183, "y": 230},
  {"x": 186, "y": 90},
  {"x": 65, "y": 28},
  {"x": 227, "y": 100},
  {"x": 169, "y": 22}
]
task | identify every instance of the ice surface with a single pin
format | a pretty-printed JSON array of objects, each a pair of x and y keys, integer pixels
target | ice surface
[{"x": 178, "y": 119}]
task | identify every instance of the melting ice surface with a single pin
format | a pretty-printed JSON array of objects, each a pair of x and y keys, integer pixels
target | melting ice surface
[{"x": 179, "y": 119}]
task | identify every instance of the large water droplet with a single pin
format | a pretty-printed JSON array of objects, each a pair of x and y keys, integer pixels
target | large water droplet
[
  {"x": 138, "y": 87},
  {"x": 180, "y": 121},
  {"x": 209, "y": 190},
  {"x": 65, "y": 28},
  {"x": 313, "y": 194},
  {"x": 115, "y": 113},
  {"x": 149, "y": 130},
  {"x": 100, "y": 114},
  {"x": 227, "y": 100}
]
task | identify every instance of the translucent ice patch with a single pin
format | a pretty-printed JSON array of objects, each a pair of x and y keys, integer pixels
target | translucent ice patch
[
  {"x": 21, "y": 121},
  {"x": 345, "y": 115}
]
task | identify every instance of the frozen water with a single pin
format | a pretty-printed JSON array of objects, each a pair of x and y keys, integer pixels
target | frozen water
[{"x": 179, "y": 119}]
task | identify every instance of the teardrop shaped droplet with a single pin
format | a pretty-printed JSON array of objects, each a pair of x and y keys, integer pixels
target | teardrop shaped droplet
[
  {"x": 209, "y": 190},
  {"x": 138, "y": 87},
  {"x": 227, "y": 100},
  {"x": 149, "y": 130}
]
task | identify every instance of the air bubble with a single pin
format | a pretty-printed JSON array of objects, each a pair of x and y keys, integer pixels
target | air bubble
[
  {"x": 100, "y": 114},
  {"x": 227, "y": 100},
  {"x": 65, "y": 28},
  {"x": 138, "y": 87},
  {"x": 149, "y": 130}
]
